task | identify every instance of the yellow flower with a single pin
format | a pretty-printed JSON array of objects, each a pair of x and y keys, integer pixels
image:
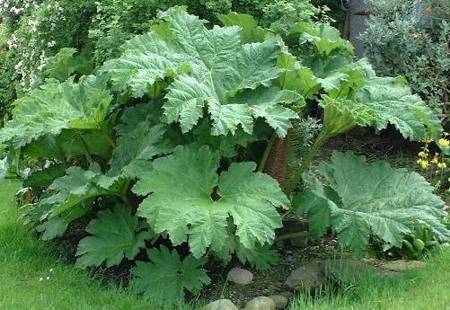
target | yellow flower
[
  {"x": 423, "y": 163},
  {"x": 444, "y": 142},
  {"x": 442, "y": 165},
  {"x": 427, "y": 140},
  {"x": 423, "y": 154},
  {"x": 435, "y": 161}
]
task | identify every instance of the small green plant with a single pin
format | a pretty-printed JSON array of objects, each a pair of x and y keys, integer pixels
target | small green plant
[{"x": 416, "y": 244}]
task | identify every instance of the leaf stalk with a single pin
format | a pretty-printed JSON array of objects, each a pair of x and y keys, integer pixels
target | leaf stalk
[
  {"x": 263, "y": 162},
  {"x": 297, "y": 234},
  {"x": 306, "y": 162},
  {"x": 85, "y": 149}
]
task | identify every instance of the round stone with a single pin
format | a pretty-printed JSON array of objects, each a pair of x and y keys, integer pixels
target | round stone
[
  {"x": 221, "y": 304},
  {"x": 260, "y": 303},
  {"x": 240, "y": 276}
]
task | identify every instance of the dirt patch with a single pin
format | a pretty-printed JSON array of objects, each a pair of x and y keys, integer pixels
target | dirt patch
[{"x": 271, "y": 281}]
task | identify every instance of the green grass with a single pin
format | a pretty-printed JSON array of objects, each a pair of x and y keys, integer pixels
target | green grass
[
  {"x": 32, "y": 277},
  {"x": 427, "y": 288}
]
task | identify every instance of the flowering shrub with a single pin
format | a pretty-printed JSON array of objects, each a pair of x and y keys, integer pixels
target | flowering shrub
[
  {"x": 12, "y": 10},
  {"x": 35, "y": 31},
  {"x": 50, "y": 26},
  {"x": 421, "y": 31}
]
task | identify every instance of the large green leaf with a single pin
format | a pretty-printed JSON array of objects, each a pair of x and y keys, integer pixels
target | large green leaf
[
  {"x": 52, "y": 228},
  {"x": 297, "y": 77},
  {"x": 260, "y": 258},
  {"x": 166, "y": 277},
  {"x": 364, "y": 199},
  {"x": 356, "y": 96},
  {"x": 341, "y": 115},
  {"x": 65, "y": 64},
  {"x": 394, "y": 104},
  {"x": 77, "y": 186},
  {"x": 56, "y": 106},
  {"x": 134, "y": 150},
  {"x": 325, "y": 38},
  {"x": 209, "y": 68},
  {"x": 62, "y": 65},
  {"x": 46, "y": 176},
  {"x": 317, "y": 207},
  {"x": 251, "y": 32},
  {"x": 140, "y": 138},
  {"x": 192, "y": 203},
  {"x": 228, "y": 145},
  {"x": 114, "y": 237}
]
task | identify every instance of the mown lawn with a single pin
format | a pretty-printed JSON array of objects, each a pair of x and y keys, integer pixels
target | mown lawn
[
  {"x": 34, "y": 278},
  {"x": 423, "y": 289}
]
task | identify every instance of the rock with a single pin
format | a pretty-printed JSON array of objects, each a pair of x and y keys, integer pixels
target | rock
[
  {"x": 280, "y": 301},
  {"x": 287, "y": 294},
  {"x": 307, "y": 275},
  {"x": 221, "y": 304},
  {"x": 260, "y": 303},
  {"x": 402, "y": 265},
  {"x": 240, "y": 276},
  {"x": 349, "y": 270},
  {"x": 301, "y": 241}
]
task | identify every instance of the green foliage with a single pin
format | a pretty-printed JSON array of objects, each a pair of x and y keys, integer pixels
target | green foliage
[
  {"x": 250, "y": 30},
  {"x": 65, "y": 63},
  {"x": 217, "y": 77},
  {"x": 259, "y": 258},
  {"x": 378, "y": 102},
  {"x": 178, "y": 130},
  {"x": 35, "y": 31},
  {"x": 190, "y": 202},
  {"x": 166, "y": 277},
  {"x": 349, "y": 92},
  {"x": 56, "y": 106},
  {"x": 8, "y": 77},
  {"x": 415, "y": 245},
  {"x": 393, "y": 103},
  {"x": 114, "y": 236},
  {"x": 73, "y": 188},
  {"x": 99, "y": 141},
  {"x": 335, "y": 11},
  {"x": 420, "y": 30},
  {"x": 117, "y": 21},
  {"x": 363, "y": 199},
  {"x": 437, "y": 9}
]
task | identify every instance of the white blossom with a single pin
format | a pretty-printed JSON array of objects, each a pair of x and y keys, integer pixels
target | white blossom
[
  {"x": 51, "y": 43},
  {"x": 15, "y": 10}
]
